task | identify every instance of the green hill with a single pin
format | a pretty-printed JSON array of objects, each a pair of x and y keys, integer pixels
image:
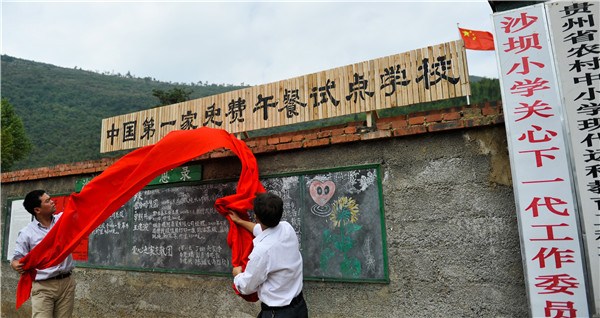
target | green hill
[{"x": 62, "y": 108}]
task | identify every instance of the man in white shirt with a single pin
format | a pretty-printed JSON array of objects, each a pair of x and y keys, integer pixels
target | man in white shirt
[
  {"x": 274, "y": 269},
  {"x": 53, "y": 291}
]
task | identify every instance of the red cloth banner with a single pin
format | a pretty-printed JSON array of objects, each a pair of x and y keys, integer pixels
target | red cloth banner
[
  {"x": 80, "y": 253},
  {"x": 477, "y": 40},
  {"x": 106, "y": 193}
]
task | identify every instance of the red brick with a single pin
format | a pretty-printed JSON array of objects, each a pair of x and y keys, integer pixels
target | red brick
[
  {"x": 316, "y": 142},
  {"x": 289, "y": 145},
  {"x": 285, "y": 139},
  {"x": 350, "y": 130},
  {"x": 311, "y": 136},
  {"x": 251, "y": 143},
  {"x": 261, "y": 141},
  {"x": 324, "y": 134},
  {"x": 445, "y": 126},
  {"x": 434, "y": 118},
  {"x": 489, "y": 111},
  {"x": 399, "y": 123},
  {"x": 452, "y": 116},
  {"x": 412, "y": 130},
  {"x": 273, "y": 141},
  {"x": 418, "y": 120},
  {"x": 384, "y": 125},
  {"x": 298, "y": 137},
  {"x": 385, "y": 120},
  {"x": 337, "y": 132},
  {"x": 344, "y": 138}
]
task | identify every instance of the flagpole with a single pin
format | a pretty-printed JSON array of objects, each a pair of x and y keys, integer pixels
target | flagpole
[{"x": 460, "y": 37}]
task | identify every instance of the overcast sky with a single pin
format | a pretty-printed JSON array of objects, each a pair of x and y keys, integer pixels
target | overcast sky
[{"x": 234, "y": 42}]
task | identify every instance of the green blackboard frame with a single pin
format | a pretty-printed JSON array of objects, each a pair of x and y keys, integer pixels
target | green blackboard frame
[{"x": 384, "y": 278}]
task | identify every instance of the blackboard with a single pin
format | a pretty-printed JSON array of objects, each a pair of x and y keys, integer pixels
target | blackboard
[{"x": 337, "y": 215}]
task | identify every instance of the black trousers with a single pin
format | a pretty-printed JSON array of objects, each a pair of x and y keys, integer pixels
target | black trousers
[{"x": 296, "y": 309}]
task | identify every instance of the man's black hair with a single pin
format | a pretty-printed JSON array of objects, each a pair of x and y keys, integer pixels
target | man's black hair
[
  {"x": 32, "y": 200},
  {"x": 268, "y": 208}
]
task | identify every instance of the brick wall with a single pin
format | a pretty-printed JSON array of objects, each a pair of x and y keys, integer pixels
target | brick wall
[{"x": 489, "y": 113}]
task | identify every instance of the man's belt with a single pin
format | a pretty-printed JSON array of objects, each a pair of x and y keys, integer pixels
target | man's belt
[
  {"x": 59, "y": 276},
  {"x": 294, "y": 302}
]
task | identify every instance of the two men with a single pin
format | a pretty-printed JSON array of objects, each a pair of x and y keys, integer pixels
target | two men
[{"x": 274, "y": 269}]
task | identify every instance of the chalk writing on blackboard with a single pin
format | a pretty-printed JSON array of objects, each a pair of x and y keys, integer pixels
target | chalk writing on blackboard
[{"x": 337, "y": 216}]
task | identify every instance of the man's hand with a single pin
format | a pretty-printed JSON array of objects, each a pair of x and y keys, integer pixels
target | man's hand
[
  {"x": 236, "y": 270},
  {"x": 234, "y": 217},
  {"x": 17, "y": 266},
  {"x": 241, "y": 222}
]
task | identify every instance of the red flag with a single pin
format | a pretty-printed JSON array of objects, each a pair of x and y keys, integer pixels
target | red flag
[
  {"x": 477, "y": 40},
  {"x": 107, "y": 192}
]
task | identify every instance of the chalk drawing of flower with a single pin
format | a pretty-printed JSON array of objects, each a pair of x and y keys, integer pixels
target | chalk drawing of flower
[
  {"x": 344, "y": 211},
  {"x": 339, "y": 240}
]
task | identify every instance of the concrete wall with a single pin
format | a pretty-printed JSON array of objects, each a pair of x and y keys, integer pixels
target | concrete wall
[{"x": 452, "y": 238}]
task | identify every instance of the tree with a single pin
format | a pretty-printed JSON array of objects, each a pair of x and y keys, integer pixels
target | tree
[
  {"x": 486, "y": 89},
  {"x": 15, "y": 144},
  {"x": 173, "y": 96}
]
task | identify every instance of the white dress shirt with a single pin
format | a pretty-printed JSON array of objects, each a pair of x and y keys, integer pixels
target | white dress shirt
[
  {"x": 274, "y": 269},
  {"x": 30, "y": 236}
]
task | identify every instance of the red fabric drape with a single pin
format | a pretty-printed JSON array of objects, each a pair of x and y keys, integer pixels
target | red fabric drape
[{"x": 106, "y": 193}]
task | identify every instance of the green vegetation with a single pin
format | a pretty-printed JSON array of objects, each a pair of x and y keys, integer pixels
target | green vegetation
[
  {"x": 173, "y": 96},
  {"x": 15, "y": 144},
  {"x": 62, "y": 108},
  {"x": 482, "y": 90}
]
